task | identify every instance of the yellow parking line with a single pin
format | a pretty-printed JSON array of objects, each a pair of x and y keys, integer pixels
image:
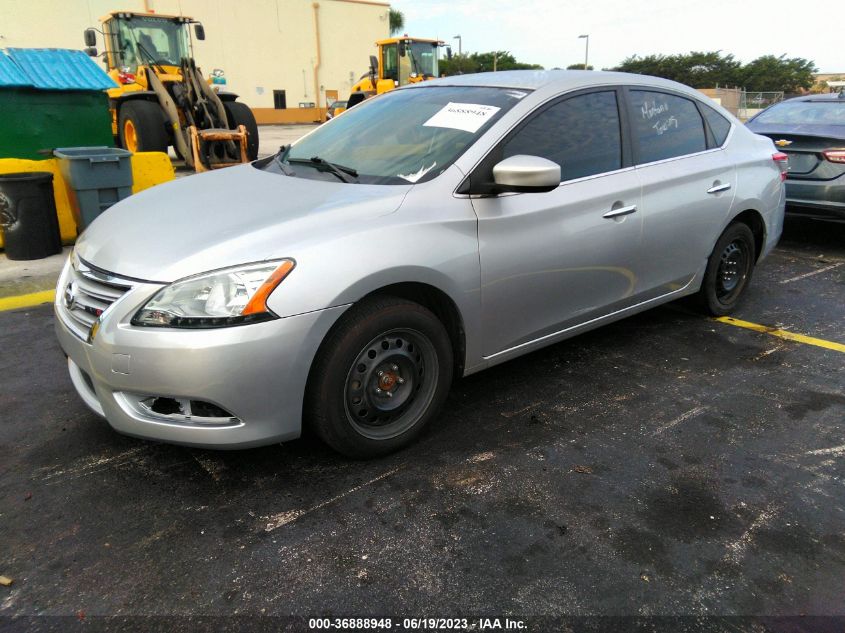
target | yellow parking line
[
  {"x": 789, "y": 336},
  {"x": 27, "y": 301}
]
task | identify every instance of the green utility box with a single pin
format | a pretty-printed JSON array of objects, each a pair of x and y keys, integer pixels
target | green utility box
[{"x": 51, "y": 98}]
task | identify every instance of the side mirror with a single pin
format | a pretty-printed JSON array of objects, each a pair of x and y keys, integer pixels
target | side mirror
[
  {"x": 448, "y": 52},
  {"x": 90, "y": 37},
  {"x": 526, "y": 174},
  {"x": 91, "y": 51},
  {"x": 374, "y": 64},
  {"x": 199, "y": 31},
  {"x": 401, "y": 48}
]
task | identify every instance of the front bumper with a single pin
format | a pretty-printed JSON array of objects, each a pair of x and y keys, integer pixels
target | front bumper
[{"x": 255, "y": 372}]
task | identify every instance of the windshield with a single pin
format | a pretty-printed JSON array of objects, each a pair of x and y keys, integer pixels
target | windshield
[
  {"x": 404, "y": 136},
  {"x": 423, "y": 58},
  {"x": 142, "y": 40},
  {"x": 420, "y": 59},
  {"x": 805, "y": 112}
]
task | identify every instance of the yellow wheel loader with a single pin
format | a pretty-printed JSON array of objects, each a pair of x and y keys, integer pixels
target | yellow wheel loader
[
  {"x": 400, "y": 61},
  {"x": 162, "y": 98}
]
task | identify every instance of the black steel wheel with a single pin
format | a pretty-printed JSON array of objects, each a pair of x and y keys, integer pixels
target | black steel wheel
[
  {"x": 380, "y": 376},
  {"x": 729, "y": 270},
  {"x": 391, "y": 384}
]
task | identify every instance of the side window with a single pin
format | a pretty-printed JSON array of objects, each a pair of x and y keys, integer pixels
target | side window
[
  {"x": 664, "y": 126},
  {"x": 581, "y": 134},
  {"x": 389, "y": 62},
  {"x": 719, "y": 125}
]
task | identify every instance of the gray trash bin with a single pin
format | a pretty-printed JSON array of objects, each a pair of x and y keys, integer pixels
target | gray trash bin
[{"x": 98, "y": 177}]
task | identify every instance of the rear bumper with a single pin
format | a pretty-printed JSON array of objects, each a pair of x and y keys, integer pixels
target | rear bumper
[
  {"x": 256, "y": 372},
  {"x": 817, "y": 198}
]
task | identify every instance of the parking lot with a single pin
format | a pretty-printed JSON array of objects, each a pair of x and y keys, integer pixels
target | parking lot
[{"x": 667, "y": 464}]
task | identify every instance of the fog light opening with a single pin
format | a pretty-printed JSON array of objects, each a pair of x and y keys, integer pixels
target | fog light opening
[
  {"x": 167, "y": 406},
  {"x": 208, "y": 410},
  {"x": 181, "y": 410}
]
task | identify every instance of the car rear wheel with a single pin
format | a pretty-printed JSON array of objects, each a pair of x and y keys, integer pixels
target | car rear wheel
[
  {"x": 141, "y": 127},
  {"x": 381, "y": 375},
  {"x": 728, "y": 270}
]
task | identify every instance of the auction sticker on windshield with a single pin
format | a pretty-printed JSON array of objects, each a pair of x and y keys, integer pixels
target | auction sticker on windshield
[{"x": 468, "y": 117}]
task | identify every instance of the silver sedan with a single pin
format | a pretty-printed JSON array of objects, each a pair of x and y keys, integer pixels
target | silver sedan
[{"x": 426, "y": 234}]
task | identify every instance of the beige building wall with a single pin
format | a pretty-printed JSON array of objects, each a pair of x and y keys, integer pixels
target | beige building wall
[{"x": 262, "y": 45}]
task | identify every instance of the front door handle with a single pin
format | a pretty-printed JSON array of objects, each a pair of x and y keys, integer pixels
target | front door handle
[
  {"x": 615, "y": 213},
  {"x": 718, "y": 188}
]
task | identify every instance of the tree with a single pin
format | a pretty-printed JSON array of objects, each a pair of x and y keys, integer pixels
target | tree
[
  {"x": 459, "y": 64},
  {"x": 708, "y": 69},
  {"x": 397, "y": 21},
  {"x": 483, "y": 62},
  {"x": 696, "y": 69},
  {"x": 773, "y": 74},
  {"x": 578, "y": 67}
]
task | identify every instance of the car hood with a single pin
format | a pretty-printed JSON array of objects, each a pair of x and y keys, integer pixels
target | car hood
[{"x": 224, "y": 218}]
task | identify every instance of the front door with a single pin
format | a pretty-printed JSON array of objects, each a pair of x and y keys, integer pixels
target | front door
[{"x": 552, "y": 260}]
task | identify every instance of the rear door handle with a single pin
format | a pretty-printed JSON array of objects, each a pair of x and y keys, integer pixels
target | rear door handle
[
  {"x": 615, "y": 213},
  {"x": 718, "y": 188}
]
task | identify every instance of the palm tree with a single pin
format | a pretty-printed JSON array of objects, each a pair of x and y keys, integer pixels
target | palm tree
[{"x": 397, "y": 21}]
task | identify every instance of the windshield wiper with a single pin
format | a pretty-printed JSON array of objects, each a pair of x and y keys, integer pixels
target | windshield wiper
[
  {"x": 346, "y": 174},
  {"x": 279, "y": 157}
]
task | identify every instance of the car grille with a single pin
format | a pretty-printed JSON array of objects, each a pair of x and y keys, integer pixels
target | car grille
[{"x": 88, "y": 292}]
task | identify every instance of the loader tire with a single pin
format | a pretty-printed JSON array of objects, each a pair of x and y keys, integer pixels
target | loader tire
[
  {"x": 239, "y": 114},
  {"x": 141, "y": 127}
]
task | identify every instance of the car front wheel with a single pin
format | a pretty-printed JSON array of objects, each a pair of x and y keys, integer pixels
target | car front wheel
[
  {"x": 381, "y": 375},
  {"x": 728, "y": 270}
]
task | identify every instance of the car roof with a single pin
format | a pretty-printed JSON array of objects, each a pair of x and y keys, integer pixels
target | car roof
[
  {"x": 817, "y": 98},
  {"x": 555, "y": 79}
]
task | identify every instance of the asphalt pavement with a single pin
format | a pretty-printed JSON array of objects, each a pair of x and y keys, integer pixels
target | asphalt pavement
[{"x": 668, "y": 464}]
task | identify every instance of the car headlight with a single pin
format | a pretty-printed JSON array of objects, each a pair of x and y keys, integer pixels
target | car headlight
[{"x": 231, "y": 296}]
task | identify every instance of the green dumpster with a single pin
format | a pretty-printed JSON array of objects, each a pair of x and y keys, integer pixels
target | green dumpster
[{"x": 51, "y": 98}]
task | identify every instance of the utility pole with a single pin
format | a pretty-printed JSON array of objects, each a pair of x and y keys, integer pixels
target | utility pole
[
  {"x": 495, "y": 60},
  {"x": 586, "y": 50},
  {"x": 460, "y": 61}
]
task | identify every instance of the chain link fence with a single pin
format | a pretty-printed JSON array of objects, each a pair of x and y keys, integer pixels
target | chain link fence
[
  {"x": 740, "y": 103},
  {"x": 753, "y": 102}
]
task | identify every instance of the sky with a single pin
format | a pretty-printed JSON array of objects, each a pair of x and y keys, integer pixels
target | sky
[{"x": 546, "y": 31}]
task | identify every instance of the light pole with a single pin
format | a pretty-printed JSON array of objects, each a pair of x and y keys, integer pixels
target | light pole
[
  {"x": 586, "y": 50},
  {"x": 460, "y": 61}
]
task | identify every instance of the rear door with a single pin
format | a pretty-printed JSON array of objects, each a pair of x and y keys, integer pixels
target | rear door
[{"x": 688, "y": 186}]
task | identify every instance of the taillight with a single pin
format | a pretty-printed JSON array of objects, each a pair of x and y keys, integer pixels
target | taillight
[
  {"x": 125, "y": 76},
  {"x": 835, "y": 155},
  {"x": 783, "y": 162}
]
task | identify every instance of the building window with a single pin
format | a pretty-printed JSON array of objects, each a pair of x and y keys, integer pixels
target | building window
[{"x": 279, "y": 100}]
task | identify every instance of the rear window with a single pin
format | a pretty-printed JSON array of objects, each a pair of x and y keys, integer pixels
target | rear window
[
  {"x": 804, "y": 113},
  {"x": 719, "y": 125},
  {"x": 665, "y": 126}
]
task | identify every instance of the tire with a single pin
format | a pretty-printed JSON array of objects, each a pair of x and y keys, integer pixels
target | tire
[
  {"x": 729, "y": 270},
  {"x": 239, "y": 114},
  {"x": 141, "y": 127},
  {"x": 354, "y": 99},
  {"x": 363, "y": 413}
]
